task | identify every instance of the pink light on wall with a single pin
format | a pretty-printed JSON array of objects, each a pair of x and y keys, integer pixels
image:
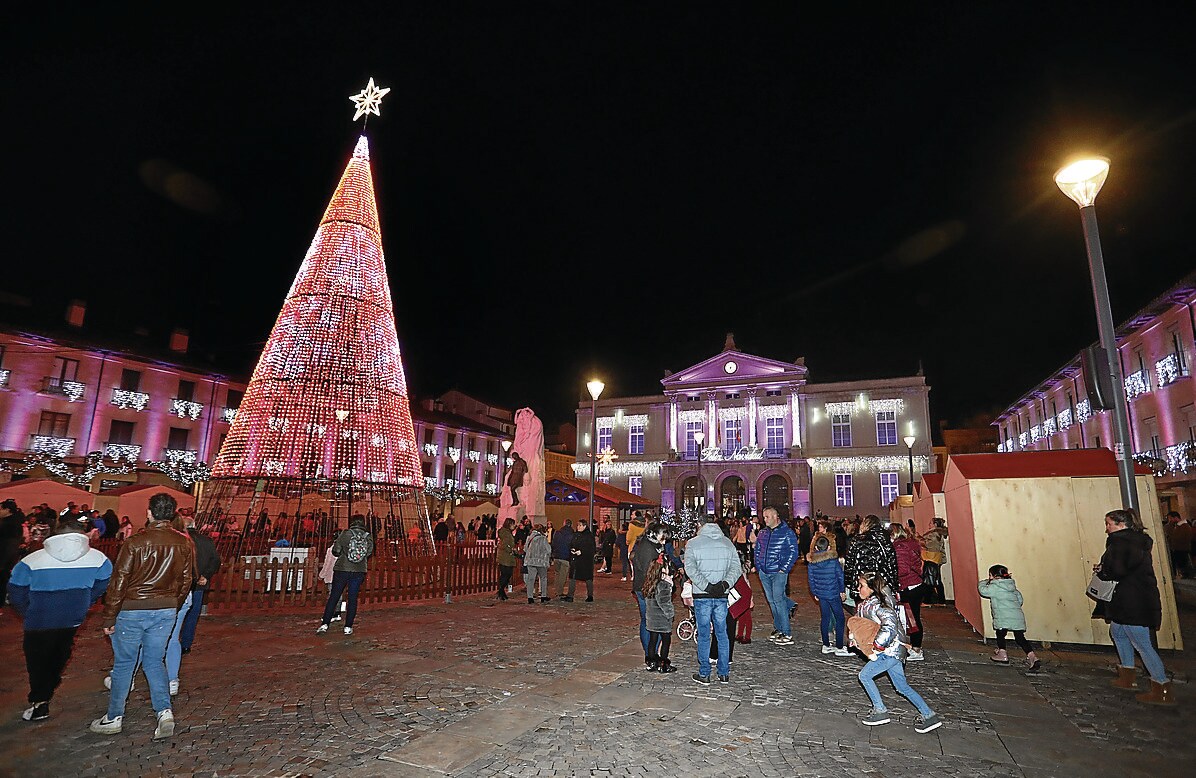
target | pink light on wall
[{"x": 328, "y": 397}]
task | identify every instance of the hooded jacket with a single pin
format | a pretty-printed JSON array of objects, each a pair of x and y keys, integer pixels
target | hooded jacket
[
  {"x": 340, "y": 549},
  {"x": 710, "y": 557},
  {"x": 562, "y": 540},
  {"x": 825, "y": 574},
  {"x": 776, "y": 549},
  {"x": 1005, "y": 602},
  {"x": 53, "y": 588},
  {"x": 870, "y": 552},
  {"x": 536, "y": 551},
  {"x": 1128, "y": 561}
]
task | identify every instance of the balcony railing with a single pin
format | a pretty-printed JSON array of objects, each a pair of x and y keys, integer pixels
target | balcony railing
[
  {"x": 129, "y": 399},
  {"x": 184, "y": 456},
  {"x": 4, "y": 374},
  {"x": 50, "y": 444},
  {"x": 228, "y": 414},
  {"x": 186, "y": 409},
  {"x": 129, "y": 451},
  {"x": 71, "y": 390}
]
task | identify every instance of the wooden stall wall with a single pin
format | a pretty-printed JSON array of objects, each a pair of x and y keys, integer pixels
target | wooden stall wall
[{"x": 962, "y": 544}]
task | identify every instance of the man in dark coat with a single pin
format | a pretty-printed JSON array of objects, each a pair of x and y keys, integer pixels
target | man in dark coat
[
  {"x": 583, "y": 549},
  {"x": 870, "y": 551},
  {"x": 562, "y": 555},
  {"x": 207, "y": 563},
  {"x": 11, "y": 534}
]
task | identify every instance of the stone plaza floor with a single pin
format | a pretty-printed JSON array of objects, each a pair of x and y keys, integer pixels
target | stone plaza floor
[{"x": 486, "y": 688}]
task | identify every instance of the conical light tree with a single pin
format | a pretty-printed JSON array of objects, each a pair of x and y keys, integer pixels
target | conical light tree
[{"x": 325, "y": 423}]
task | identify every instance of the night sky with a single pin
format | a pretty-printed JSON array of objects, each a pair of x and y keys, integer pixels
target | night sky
[{"x": 578, "y": 189}]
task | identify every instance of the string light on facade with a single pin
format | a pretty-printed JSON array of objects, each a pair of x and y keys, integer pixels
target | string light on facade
[
  {"x": 1136, "y": 384},
  {"x": 186, "y": 409},
  {"x": 868, "y": 464},
  {"x": 1023, "y": 439},
  {"x": 228, "y": 415},
  {"x": 127, "y": 451},
  {"x": 129, "y": 400},
  {"x": 885, "y": 406},
  {"x": 431, "y": 449},
  {"x": 473, "y": 456},
  {"x": 691, "y": 415},
  {"x": 48, "y": 444},
  {"x": 492, "y": 459},
  {"x": 1167, "y": 370},
  {"x": 74, "y": 390},
  {"x": 1064, "y": 418},
  {"x": 1083, "y": 411},
  {"x": 1048, "y": 426},
  {"x": 773, "y": 411},
  {"x": 453, "y": 453},
  {"x": 732, "y": 413},
  {"x": 839, "y": 409},
  {"x": 619, "y": 469},
  {"x": 4, "y": 374}
]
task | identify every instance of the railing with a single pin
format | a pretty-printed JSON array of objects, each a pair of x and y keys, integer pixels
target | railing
[
  {"x": 71, "y": 390},
  {"x": 129, "y": 451},
  {"x": 130, "y": 399},
  {"x": 186, "y": 409},
  {"x": 4, "y": 374},
  {"x": 251, "y": 580},
  {"x": 49, "y": 444}
]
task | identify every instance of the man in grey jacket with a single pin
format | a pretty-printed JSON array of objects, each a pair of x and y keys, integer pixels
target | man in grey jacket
[
  {"x": 713, "y": 566},
  {"x": 352, "y": 548}
]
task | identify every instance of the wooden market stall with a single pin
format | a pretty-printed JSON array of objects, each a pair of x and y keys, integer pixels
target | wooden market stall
[
  {"x": 1041, "y": 514},
  {"x": 568, "y": 498},
  {"x": 133, "y": 501},
  {"x": 34, "y": 491},
  {"x": 929, "y": 501}
]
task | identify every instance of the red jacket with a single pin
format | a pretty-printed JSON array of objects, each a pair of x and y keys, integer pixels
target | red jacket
[{"x": 909, "y": 562}]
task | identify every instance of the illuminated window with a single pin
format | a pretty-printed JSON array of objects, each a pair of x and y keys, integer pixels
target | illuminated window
[
  {"x": 886, "y": 428},
  {"x": 889, "y": 489},
  {"x": 635, "y": 439},
  {"x": 635, "y": 484},
  {"x": 732, "y": 435},
  {"x": 841, "y": 431},
  {"x": 691, "y": 446},
  {"x": 774, "y": 435},
  {"x": 605, "y": 438},
  {"x": 843, "y": 496}
]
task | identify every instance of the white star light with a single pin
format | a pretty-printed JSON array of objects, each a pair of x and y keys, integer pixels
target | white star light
[{"x": 368, "y": 100}]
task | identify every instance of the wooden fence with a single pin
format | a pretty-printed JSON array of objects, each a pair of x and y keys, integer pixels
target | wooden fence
[{"x": 256, "y": 581}]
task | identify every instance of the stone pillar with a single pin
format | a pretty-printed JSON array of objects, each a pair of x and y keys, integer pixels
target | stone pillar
[
  {"x": 711, "y": 419},
  {"x": 795, "y": 416},
  {"x": 752, "y": 416},
  {"x": 673, "y": 422}
]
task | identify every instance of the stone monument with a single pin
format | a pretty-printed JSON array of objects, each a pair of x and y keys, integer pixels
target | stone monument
[{"x": 529, "y": 445}]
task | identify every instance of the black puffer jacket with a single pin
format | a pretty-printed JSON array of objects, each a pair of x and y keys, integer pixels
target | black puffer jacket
[
  {"x": 870, "y": 552},
  {"x": 1128, "y": 561}
]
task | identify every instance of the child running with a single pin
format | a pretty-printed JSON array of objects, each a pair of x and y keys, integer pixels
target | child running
[
  {"x": 887, "y": 654},
  {"x": 1005, "y": 602},
  {"x": 658, "y": 592}
]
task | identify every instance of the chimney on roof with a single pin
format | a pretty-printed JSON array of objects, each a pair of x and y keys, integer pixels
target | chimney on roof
[
  {"x": 729, "y": 345},
  {"x": 179, "y": 338},
  {"x": 76, "y": 310}
]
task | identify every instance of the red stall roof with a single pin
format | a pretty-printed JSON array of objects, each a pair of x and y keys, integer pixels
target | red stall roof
[
  {"x": 932, "y": 483},
  {"x": 1068, "y": 463}
]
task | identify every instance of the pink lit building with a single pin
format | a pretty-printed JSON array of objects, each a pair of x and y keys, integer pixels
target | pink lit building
[{"x": 1156, "y": 348}]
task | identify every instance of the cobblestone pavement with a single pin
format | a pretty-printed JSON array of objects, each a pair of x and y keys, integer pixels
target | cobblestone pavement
[{"x": 480, "y": 688}]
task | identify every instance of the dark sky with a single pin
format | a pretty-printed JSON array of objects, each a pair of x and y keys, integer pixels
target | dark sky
[{"x": 618, "y": 185}]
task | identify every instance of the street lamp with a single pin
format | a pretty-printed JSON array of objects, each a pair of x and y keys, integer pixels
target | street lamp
[
  {"x": 700, "y": 438},
  {"x": 454, "y": 455},
  {"x": 1081, "y": 181},
  {"x": 909, "y": 444},
  {"x": 595, "y": 388},
  {"x": 810, "y": 462}
]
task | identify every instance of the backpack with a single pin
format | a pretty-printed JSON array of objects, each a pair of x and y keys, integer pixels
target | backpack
[{"x": 359, "y": 547}]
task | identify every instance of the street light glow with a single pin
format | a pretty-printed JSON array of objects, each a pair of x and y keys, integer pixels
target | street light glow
[
  {"x": 595, "y": 388},
  {"x": 699, "y": 437},
  {"x": 909, "y": 441},
  {"x": 1083, "y": 179}
]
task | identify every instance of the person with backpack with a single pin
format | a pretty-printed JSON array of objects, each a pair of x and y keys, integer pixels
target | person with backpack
[{"x": 352, "y": 549}]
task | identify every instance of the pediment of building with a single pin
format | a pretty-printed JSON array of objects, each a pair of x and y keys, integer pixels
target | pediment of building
[{"x": 734, "y": 367}]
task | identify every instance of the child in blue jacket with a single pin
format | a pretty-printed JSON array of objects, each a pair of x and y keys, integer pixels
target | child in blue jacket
[{"x": 825, "y": 574}]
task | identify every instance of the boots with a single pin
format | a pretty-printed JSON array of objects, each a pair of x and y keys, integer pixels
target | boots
[
  {"x": 1126, "y": 678},
  {"x": 1000, "y": 656},
  {"x": 1033, "y": 663},
  {"x": 1159, "y": 694}
]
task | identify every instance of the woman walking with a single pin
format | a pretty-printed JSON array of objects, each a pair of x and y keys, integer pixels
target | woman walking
[
  {"x": 506, "y": 557},
  {"x": 1135, "y": 610},
  {"x": 536, "y": 555},
  {"x": 909, "y": 578},
  {"x": 869, "y": 551}
]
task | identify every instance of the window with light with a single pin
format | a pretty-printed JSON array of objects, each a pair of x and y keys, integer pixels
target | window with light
[
  {"x": 691, "y": 446},
  {"x": 635, "y": 439},
  {"x": 889, "y": 488},
  {"x": 843, "y": 496},
  {"x": 774, "y": 436},
  {"x": 841, "y": 430},
  {"x": 886, "y": 428}
]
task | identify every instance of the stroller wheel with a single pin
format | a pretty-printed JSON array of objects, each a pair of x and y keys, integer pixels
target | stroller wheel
[{"x": 685, "y": 630}]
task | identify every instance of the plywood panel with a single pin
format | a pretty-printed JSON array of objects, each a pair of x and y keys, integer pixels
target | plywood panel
[{"x": 962, "y": 544}]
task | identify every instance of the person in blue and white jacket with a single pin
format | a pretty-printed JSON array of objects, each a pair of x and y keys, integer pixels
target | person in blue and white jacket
[
  {"x": 53, "y": 589},
  {"x": 776, "y": 553}
]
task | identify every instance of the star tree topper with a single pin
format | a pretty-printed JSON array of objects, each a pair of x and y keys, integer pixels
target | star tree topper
[{"x": 368, "y": 100}]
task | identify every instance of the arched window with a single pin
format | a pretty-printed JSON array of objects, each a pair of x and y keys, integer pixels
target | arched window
[
  {"x": 776, "y": 495},
  {"x": 732, "y": 496},
  {"x": 691, "y": 494}
]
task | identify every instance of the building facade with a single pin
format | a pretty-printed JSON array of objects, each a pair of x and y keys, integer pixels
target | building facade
[
  {"x": 459, "y": 453},
  {"x": 742, "y": 431},
  {"x": 1156, "y": 347},
  {"x": 66, "y": 398}
]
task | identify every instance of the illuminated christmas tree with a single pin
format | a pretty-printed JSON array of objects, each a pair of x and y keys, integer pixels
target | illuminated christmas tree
[{"x": 325, "y": 423}]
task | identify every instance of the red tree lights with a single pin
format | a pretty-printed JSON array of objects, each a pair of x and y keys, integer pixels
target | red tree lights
[{"x": 328, "y": 398}]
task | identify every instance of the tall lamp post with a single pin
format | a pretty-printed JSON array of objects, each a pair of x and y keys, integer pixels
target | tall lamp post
[
  {"x": 909, "y": 444},
  {"x": 700, "y": 438},
  {"x": 454, "y": 456},
  {"x": 1082, "y": 181},
  {"x": 595, "y": 388},
  {"x": 810, "y": 462}
]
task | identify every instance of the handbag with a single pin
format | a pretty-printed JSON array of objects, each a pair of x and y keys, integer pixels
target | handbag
[
  {"x": 1100, "y": 589},
  {"x": 739, "y": 597}
]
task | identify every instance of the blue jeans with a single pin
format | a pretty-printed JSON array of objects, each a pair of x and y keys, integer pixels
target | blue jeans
[
  {"x": 340, "y": 581},
  {"x": 146, "y": 632},
  {"x": 832, "y": 613},
  {"x": 187, "y": 636},
  {"x": 174, "y": 650},
  {"x": 1127, "y": 638},
  {"x": 778, "y": 602},
  {"x": 623, "y": 560},
  {"x": 708, "y": 610},
  {"x": 645, "y": 636},
  {"x": 891, "y": 665}
]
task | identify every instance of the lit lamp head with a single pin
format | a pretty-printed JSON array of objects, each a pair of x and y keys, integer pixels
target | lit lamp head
[
  {"x": 506, "y": 445},
  {"x": 595, "y": 388},
  {"x": 454, "y": 455},
  {"x": 699, "y": 438},
  {"x": 909, "y": 441},
  {"x": 1083, "y": 179},
  {"x": 810, "y": 461}
]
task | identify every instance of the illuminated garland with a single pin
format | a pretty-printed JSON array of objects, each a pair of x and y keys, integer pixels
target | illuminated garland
[
  {"x": 129, "y": 451},
  {"x": 733, "y": 413},
  {"x": 869, "y": 464},
  {"x": 186, "y": 409},
  {"x": 93, "y": 465},
  {"x": 48, "y": 444},
  {"x": 182, "y": 471},
  {"x": 492, "y": 459},
  {"x": 691, "y": 415},
  {"x": 1166, "y": 370},
  {"x": 839, "y": 409},
  {"x": 129, "y": 400},
  {"x": 473, "y": 456},
  {"x": 1048, "y": 426},
  {"x": 431, "y": 449},
  {"x": 774, "y": 411},
  {"x": 228, "y": 415},
  {"x": 1136, "y": 384},
  {"x": 4, "y": 374},
  {"x": 882, "y": 406},
  {"x": 73, "y": 390},
  {"x": 1064, "y": 418},
  {"x": 1083, "y": 411},
  {"x": 622, "y": 468}
]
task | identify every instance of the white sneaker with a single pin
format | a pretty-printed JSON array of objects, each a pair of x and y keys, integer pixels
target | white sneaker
[
  {"x": 915, "y": 655},
  {"x": 828, "y": 650},
  {"x": 165, "y": 726},
  {"x": 843, "y": 651},
  {"x": 784, "y": 640},
  {"x": 174, "y": 687},
  {"x": 348, "y": 630},
  {"x": 106, "y": 726},
  {"x": 320, "y": 630},
  {"x": 107, "y": 682},
  {"x": 624, "y": 578},
  {"x": 337, "y": 617}
]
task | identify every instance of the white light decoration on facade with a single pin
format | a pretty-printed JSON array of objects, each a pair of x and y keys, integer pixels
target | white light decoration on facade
[
  {"x": 55, "y": 465},
  {"x": 1008, "y": 445},
  {"x": 127, "y": 451},
  {"x": 1083, "y": 411},
  {"x": 130, "y": 401},
  {"x": 881, "y": 406},
  {"x": 1064, "y": 418},
  {"x": 1023, "y": 439},
  {"x": 431, "y": 481},
  {"x": 1166, "y": 370},
  {"x": 1179, "y": 457},
  {"x": 454, "y": 453},
  {"x": 606, "y": 422},
  {"x": 74, "y": 390},
  {"x": 774, "y": 411},
  {"x": 431, "y": 449},
  {"x": 48, "y": 444},
  {"x": 620, "y": 468},
  {"x": 1035, "y": 433},
  {"x": 471, "y": 486},
  {"x": 473, "y": 456},
  {"x": 228, "y": 415},
  {"x": 1048, "y": 426},
  {"x": 1000, "y": 448},
  {"x": 4, "y": 374},
  {"x": 635, "y": 420},
  {"x": 839, "y": 409},
  {"x": 492, "y": 459},
  {"x": 869, "y": 464},
  {"x": 509, "y": 461},
  {"x": 181, "y": 456},
  {"x": 185, "y": 409},
  {"x": 277, "y": 424},
  {"x": 491, "y": 488},
  {"x": 734, "y": 412},
  {"x": 1136, "y": 384},
  {"x": 691, "y": 415}
]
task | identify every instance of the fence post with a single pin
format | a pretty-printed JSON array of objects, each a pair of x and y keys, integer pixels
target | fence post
[{"x": 445, "y": 571}]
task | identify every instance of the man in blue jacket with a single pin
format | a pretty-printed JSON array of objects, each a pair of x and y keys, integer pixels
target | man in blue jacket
[
  {"x": 52, "y": 589},
  {"x": 776, "y": 553}
]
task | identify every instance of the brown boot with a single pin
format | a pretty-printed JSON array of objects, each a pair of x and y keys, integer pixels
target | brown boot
[
  {"x": 1159, "y": 694},
  {"x": 1126, "y": 678}
]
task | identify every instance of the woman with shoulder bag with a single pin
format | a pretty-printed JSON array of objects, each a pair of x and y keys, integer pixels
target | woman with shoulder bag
[{"x": 1135, "y": 610}]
